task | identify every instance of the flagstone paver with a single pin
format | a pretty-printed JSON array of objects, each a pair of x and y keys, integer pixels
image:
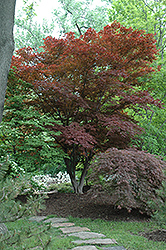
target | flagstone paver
[
  {"x": 55, "y": 220},
  {"x": 96, "y": 241},
  {"x": 36, "y": 248},
  {"x": 67, "y": 230},
  {"x": 115, "y": 248},
  {"x": 37, "y": 218},
  {"x": 87, "y": 235},
  {"x": 67, "y": 224},
  {"x": 85, "y": 248}
]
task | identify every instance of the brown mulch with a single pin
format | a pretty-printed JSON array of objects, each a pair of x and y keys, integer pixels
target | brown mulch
[
  {"x": 84, "y": 206},
  {"x": 157, "y": 235}
]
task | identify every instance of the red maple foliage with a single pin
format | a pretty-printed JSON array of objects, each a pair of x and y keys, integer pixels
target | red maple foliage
[
  {"x": 130, "y": 177},
  {"x": 86, "y": 84}
]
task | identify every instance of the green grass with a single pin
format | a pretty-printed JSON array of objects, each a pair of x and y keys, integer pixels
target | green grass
[{"x": 126, "y": 234}]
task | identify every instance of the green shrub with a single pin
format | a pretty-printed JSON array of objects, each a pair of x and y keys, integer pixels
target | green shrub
[
  {"x": 159, "y": 207},
  {"x": 11, "y": 209}
]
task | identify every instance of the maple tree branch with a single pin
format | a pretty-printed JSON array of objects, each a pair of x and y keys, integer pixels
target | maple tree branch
[
  {"x": 43, "y": 101},
  {"x": 79, "y": 30},
  {"x": 99, "y": 100},
  {"x": 61, "y": 119}
]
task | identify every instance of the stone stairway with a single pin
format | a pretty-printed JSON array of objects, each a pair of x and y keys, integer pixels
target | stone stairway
[{"x": 90, "y": 239}]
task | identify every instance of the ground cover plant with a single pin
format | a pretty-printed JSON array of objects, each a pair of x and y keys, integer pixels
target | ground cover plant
[{"x": 85, "y": 84}]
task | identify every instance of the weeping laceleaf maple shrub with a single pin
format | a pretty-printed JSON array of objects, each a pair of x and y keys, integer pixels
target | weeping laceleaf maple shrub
[
  {"x": 132, "y": 178},
  {"x": 86, "y": 84}
]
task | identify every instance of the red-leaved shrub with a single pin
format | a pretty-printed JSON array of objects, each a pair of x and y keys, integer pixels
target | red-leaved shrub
[{"x": 131, "y": 177}]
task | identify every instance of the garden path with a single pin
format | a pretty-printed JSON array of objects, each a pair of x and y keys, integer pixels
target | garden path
[{"x": 84, "y": 235}]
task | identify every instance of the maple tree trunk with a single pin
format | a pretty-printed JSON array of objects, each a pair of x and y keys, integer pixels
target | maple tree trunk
[
  {"x": 78, "y": 189},
  {"x": 78, "y": 185}
]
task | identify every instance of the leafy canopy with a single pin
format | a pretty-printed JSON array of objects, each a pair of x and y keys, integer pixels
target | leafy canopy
[
  {"x": 86, "y": 83},
  {"x": 78, "y": 16}
]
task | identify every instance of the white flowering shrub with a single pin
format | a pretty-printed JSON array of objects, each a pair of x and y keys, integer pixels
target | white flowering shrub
[{"x": 47, "y": 180}]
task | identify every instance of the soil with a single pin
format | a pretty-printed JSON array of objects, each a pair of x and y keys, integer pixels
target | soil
[{"x": 86, "y": 206}]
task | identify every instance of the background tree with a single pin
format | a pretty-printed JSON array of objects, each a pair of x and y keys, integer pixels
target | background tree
[
  {"x": 142, "y": 14},
  {"x": 78, "y": 16},
  {"x": 85, "y": 84},
  {"x": 7, "y": 10},
  {"x": 27, "y": 32},
  {"x": 153, "y": 121},
  {"x": 150, "y": 16}
]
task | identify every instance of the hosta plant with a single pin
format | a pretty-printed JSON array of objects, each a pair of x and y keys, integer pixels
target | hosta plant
[{"x": 131, "y": 177}]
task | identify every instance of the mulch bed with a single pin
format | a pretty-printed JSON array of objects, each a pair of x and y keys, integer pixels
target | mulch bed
[{"x": 83, "y": 206}]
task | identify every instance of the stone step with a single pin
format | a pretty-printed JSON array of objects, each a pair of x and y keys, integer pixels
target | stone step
[
  {"x": 85, "y": 248},
  {"x": 55, "y": 220},
  {"x": 67, "y": 224},
  {"x": 80, "y": 232},
  {"x": 87, "y": 235},
  {"x": 114, "y": 248},
  {"x": 37, "y": 218},
  {"x": 95, "y": 241},
  {"x": 67, "y": 230}
]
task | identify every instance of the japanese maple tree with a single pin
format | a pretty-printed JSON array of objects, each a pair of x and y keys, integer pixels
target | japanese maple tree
[{"x": 86, "y": 84}]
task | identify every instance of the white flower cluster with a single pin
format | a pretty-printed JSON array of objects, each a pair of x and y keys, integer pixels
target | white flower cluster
[{"x": 47, "y": 180}]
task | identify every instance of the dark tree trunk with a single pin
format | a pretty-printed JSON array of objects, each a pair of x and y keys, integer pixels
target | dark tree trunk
[{"x": 7, "y": 11}]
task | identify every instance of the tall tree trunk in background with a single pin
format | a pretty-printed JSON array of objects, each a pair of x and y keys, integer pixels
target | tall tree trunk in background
[{"x": 7, "y": 11}]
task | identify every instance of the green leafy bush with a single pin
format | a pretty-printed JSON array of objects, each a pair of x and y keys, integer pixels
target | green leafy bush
[
  {"x": 131, "y": 177},
  {"x": 159, "y": 207},
  {"x": 12, "y": 169},
  {"x": 23, "y": 135}
]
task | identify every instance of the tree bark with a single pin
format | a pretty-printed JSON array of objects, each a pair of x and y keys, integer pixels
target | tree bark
[{"x": 7, "y": 11}]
